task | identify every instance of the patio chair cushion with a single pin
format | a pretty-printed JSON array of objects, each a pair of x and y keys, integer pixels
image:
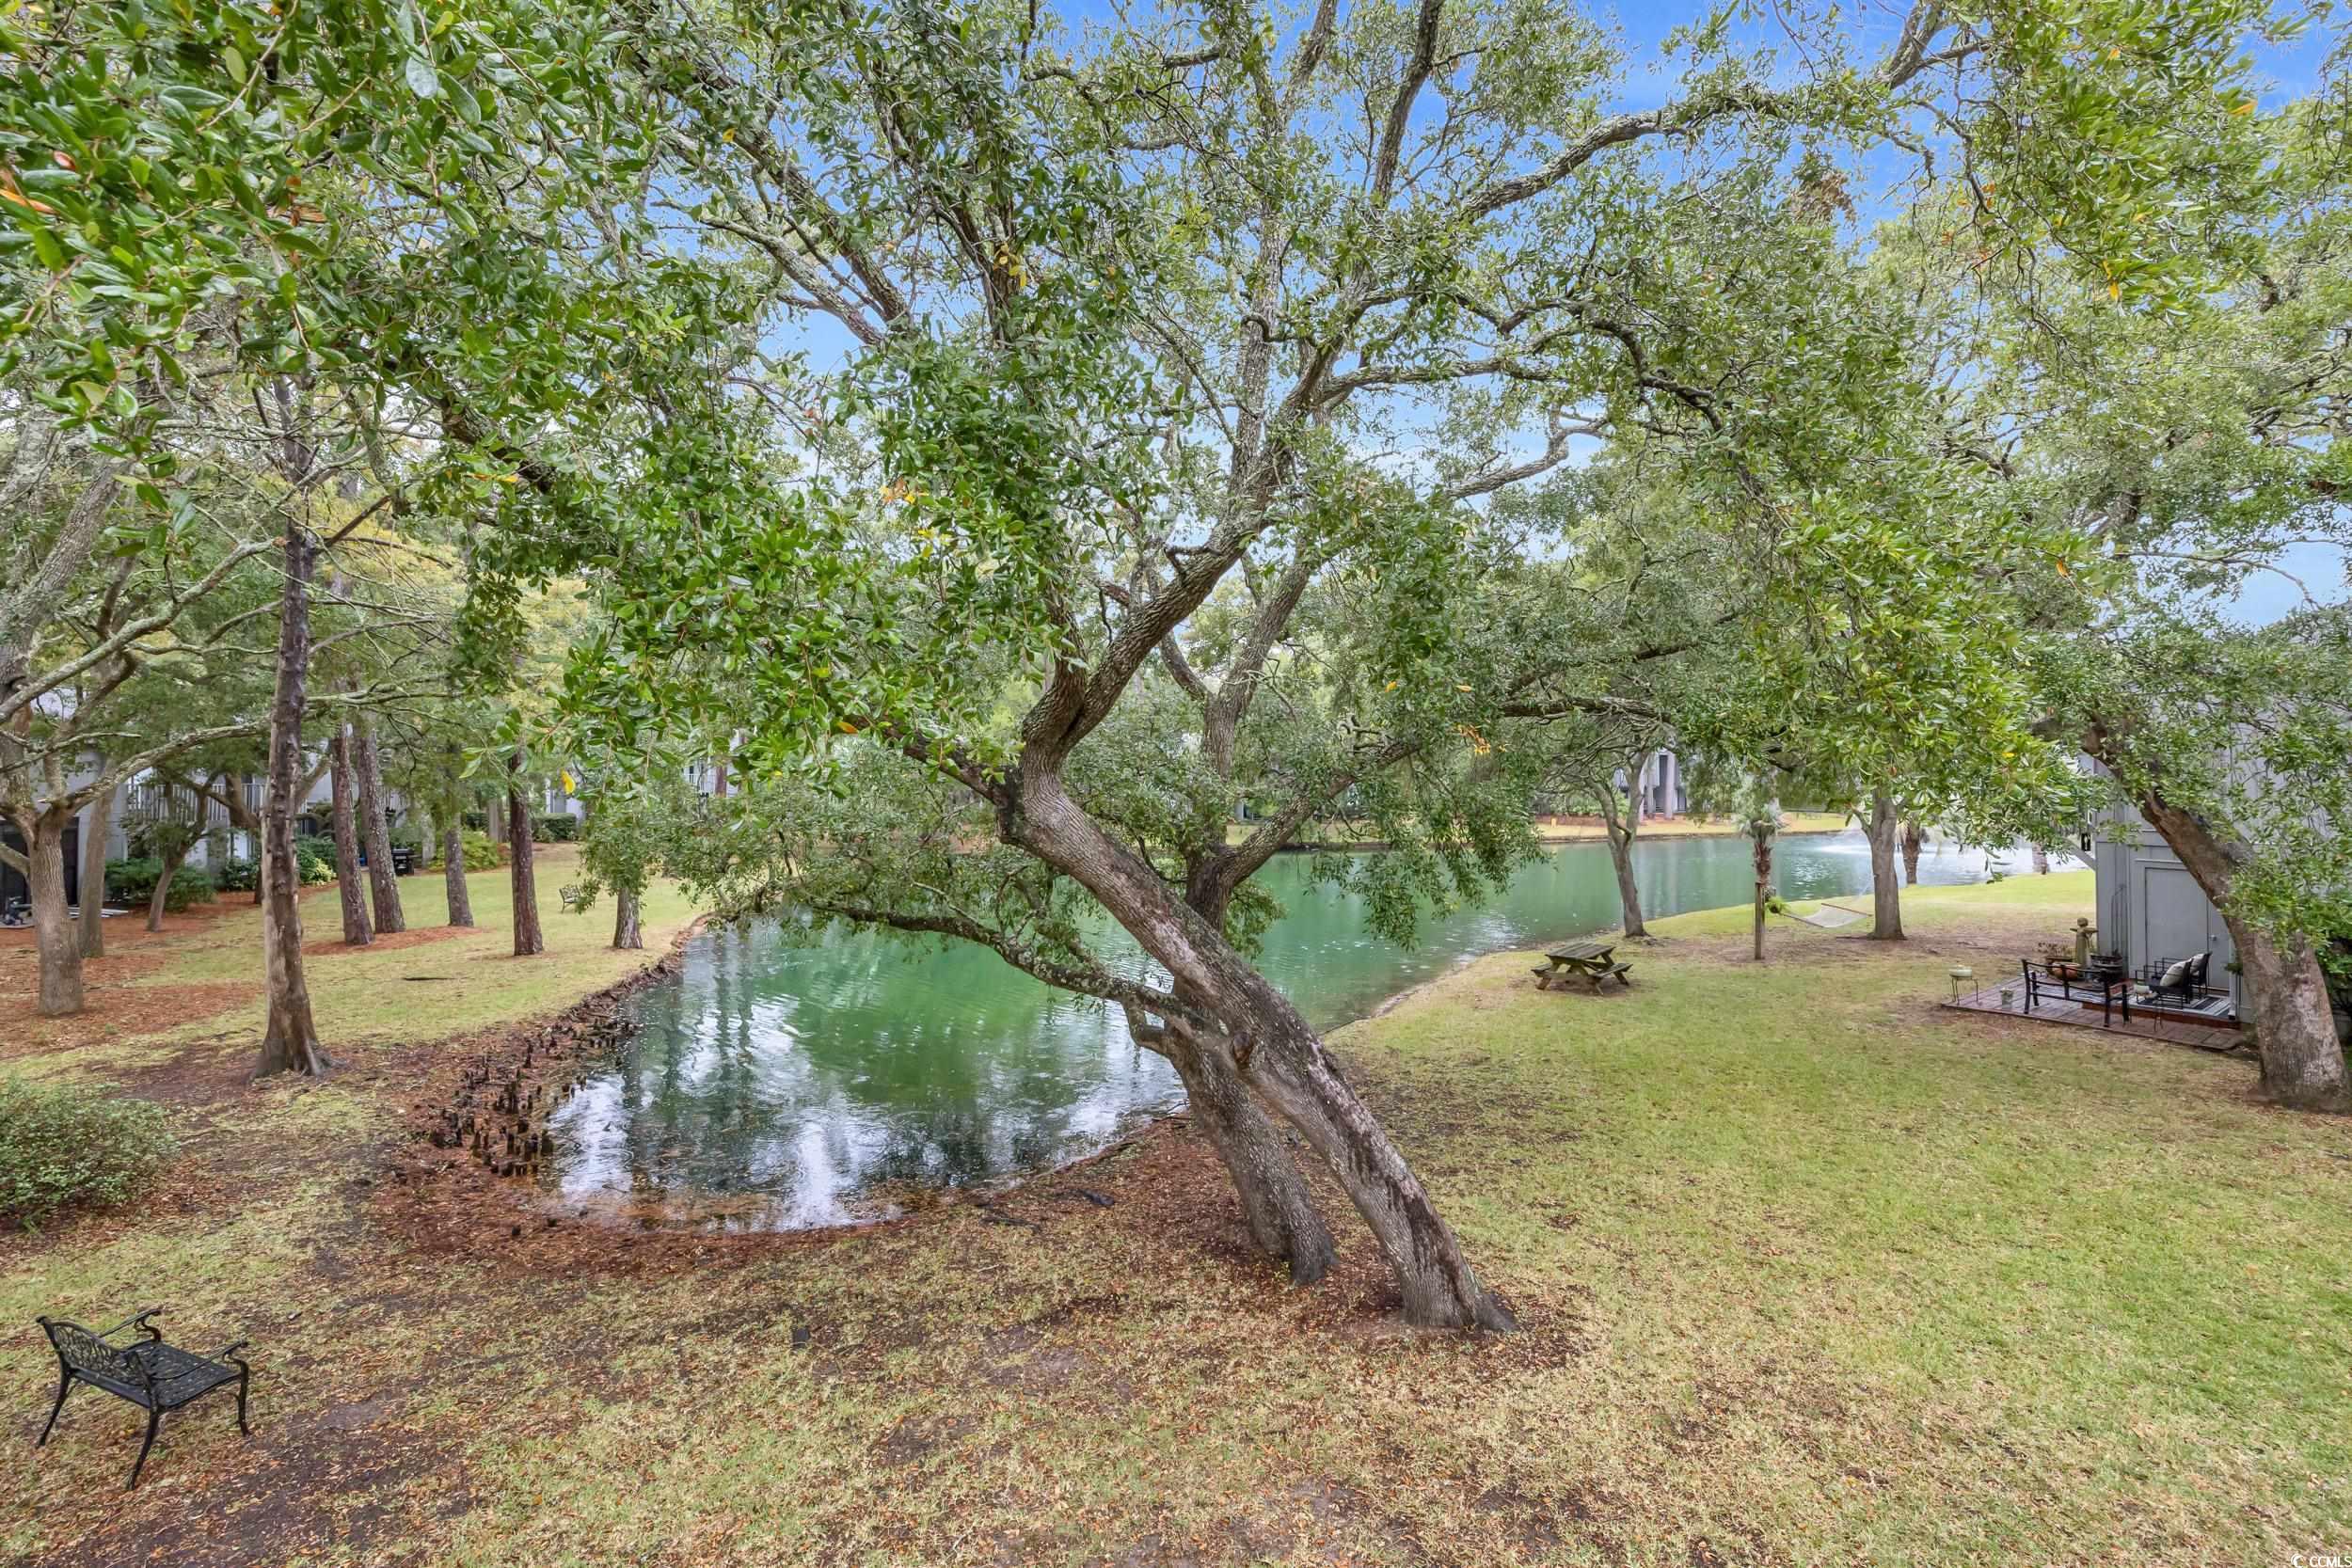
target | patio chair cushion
[
  {"x": 2176, "y": 976},
  {"x": 2196, "y": 969}
]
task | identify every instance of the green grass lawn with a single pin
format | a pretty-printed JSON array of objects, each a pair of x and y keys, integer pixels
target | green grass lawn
[
  {"x": 449, "y": 981},
  {"x": 1811, "y": 1271}
]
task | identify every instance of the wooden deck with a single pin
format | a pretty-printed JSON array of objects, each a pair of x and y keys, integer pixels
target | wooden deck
[{"x": 2211, "y": 1026}]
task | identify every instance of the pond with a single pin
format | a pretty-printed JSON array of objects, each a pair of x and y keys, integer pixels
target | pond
[{"x": 774, "y": 1084}]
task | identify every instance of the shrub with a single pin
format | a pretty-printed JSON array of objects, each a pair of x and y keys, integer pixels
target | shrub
[
  {"x": 61, "y": 1146},
  {"x": 481, "y": 854},
  {"x": 314, "y": 858},
  {"x": 563, "y": 828},
  {"x": 132, "y": 883},
  {"x": 245, "y": 876}
]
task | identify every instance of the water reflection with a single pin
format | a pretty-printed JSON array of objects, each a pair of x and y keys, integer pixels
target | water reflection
[{"x": 778, "y": 1085}]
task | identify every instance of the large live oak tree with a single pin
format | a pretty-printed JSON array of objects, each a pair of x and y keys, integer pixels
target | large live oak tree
[{"x": 1097, "y": 527}]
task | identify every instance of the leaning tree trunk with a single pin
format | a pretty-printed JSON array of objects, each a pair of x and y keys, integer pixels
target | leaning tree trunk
[
  {"x": 1253, "y": 1029},
  {"x": 156, "y": 900},
  {"x": 528, "y": 938},
  {"x": 1619, "y": 828},
  {"x": 454, "y": 871},
  {"x": 383, "y": 879},
  {"x": 290, "y": 1041},
  {"x": 1886, "y": 890},
  {"x": 627, "y": 931},
  {"x": 1762, "y": 832},
  {"x": 348, "y": 887},
  {"x": 1915, "y": 840},
  {"x": 1275, "y": 1205},
  {"x": 95, "y": 827},
  {"x": 60, "y": 950},
  {"x": 2302, "y": 1062}
]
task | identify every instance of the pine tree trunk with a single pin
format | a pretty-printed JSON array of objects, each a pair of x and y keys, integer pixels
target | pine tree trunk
[
  {"x": 625, "y": 929},
  {"x": 156, "y": 900},
  {"x": 1254, "y": 1032},
  {"x": 454, "y": 871},
  {"x": 2302, "y": 1062},
  {"x": 59, "y": 946},
  {"x": 375, "y": 831},
  {"x": 348, "y": 886},
  {"x": 1915, "y": 840},
  {"x": 95, "y": 829},
  {"x": 1886, "y": 890},
  {"x": 528, "y": 938},
  {"x": 290, "y": 1041}
]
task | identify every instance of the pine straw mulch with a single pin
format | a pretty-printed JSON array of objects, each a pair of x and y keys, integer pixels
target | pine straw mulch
[{"x": 387, "y": 941}]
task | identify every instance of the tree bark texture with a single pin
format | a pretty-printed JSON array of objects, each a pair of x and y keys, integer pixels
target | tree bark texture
[
  {"x": 626, "y": 928},
  {"x": 290, "y": 1041},
  {"x": 59, "y": 946},
  {"x": 172, "y": 860},
  {"x": 1761, "y": 833},
  {"x": 454, "y": 871},
  {"x": 375, "y": 831},
  {"x": 1619, "y": 828},
  {"x": 528, "y": 938},
  {"x": 1886, "y": 890},
  {"x": 1275, "y": 1205},
  {"x": 1915, "y": 840},
  {"x": 348, "y": 886},
  {"x": 1247, "y": 1024},
  {"x": 96, "y": 826},
  {"x": 2302, "y": 1061}
]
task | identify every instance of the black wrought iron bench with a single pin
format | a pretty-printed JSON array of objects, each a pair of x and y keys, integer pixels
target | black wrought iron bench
[{"x": 149, "y": 1373}]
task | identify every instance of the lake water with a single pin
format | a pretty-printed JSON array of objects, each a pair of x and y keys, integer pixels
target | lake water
[{"x": 776, "y": 1085}]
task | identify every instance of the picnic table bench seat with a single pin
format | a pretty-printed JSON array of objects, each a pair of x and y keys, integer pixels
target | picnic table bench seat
[{"x": 149, "y": 1373}]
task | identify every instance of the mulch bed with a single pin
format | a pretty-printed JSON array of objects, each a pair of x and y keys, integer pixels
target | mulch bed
[{"x": 388, "y": 942}]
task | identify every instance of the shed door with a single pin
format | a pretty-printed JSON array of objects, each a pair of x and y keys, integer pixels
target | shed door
[{"x": 2178, "y": 922}]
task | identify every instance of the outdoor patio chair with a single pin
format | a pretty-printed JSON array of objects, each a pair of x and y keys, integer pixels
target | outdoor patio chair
[{"x": 2177, "y": 979}]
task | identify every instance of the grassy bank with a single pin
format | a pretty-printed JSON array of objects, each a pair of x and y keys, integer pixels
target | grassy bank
[{"x": 1810, "y": 1271}]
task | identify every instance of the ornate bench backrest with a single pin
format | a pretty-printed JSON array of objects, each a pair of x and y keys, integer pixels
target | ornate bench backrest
[{"x": 87, "y": 1353}]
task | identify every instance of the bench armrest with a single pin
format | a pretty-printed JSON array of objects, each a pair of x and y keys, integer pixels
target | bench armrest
[
  {"x": 138, "y": 1320},
  {"x": 230, "y": 1354}
]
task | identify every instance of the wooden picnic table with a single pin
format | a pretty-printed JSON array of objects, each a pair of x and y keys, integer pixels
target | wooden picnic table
[{"x": 1589, "y": 961}]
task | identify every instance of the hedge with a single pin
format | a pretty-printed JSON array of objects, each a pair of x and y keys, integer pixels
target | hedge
[{"x": 131, "y": 884}]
